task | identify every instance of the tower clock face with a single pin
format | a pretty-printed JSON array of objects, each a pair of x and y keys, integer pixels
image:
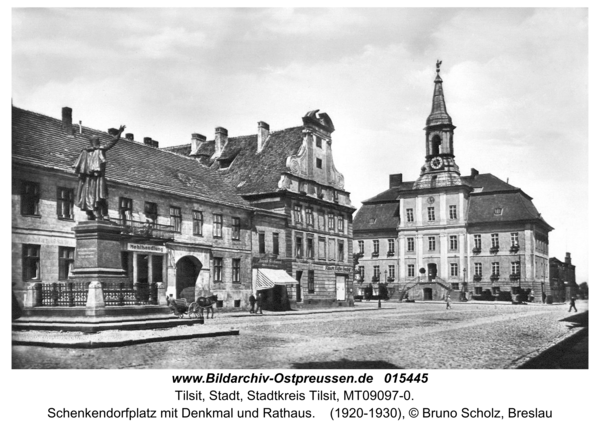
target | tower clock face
[{"x": 436, "y": 162}]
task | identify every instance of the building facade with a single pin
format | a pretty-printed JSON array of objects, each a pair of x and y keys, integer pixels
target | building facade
[
  {"x": 563, "y": 280},
  {"x": 470, "y": 236},
  {"x": 187, "y": 222},
  {"x": 290, "y": 172}
]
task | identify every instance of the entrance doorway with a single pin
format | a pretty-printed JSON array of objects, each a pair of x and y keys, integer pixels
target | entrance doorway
[
  {"x": 188, "y": 270},
  {"x": 299, "y": 286},
  {"x": 427, "y": 294},
  {"x": 431, "y": 271},
  {"x": 340, "y": 288}
]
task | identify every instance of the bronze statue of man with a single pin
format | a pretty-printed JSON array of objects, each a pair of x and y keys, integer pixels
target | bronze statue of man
[{"x": 92, "y": 191}]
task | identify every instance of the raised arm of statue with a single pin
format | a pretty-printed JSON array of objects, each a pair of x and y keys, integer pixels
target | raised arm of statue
[{"x": 115, "y": 139}]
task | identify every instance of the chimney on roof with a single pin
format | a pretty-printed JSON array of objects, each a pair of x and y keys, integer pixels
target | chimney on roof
[
  {"x": 197, "y": 140},
  {"x": 474, "y": 173},
  {"x": 113, "y": 131},
  {"x": 67, "y": 120},
  {"x": 129, "y": 136},
  {"x": 220, "y": 139},
  {"x": 263, "y": 135},
  {"x": 149, "y": 142},
  {"x": 568, "y": 258},
  {"x": 395, "y": 180}
]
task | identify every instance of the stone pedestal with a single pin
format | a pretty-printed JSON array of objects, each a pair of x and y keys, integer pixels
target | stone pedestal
[
  {"x": 97, "y": 260},
  {"x": 98, "y": 252}
]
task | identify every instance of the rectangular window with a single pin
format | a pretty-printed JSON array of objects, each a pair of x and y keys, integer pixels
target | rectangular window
[
  {"x": 30, "y": 199},
  {"x": 361, "y": 247},
  {"x": 453, "y": 212},
  {"x": 453, "y": 242},
  {"x": 321, "y": 220},
  {"x": 431, "y": 213},
  {"x": 31, "y": 262},
  {"x": 331, "y": 222},
  {"x": 391, "y": 247},
  {"x": 322, "y": 249},
  {"x": 66, "y": 258},
  {"x": 495, "y": 241},
  {"x": 410, "y": 244},
  {"x": 514, "y": 239},
  {"x": 340, "y": 224},
  {"x": 331, "y": 250},
  {"x": 175, "y": 213},
  {"x": 310, "y": 252},
  {"x": 319, "y": 163},
  {"x": 311, "y": 281},
  {"x": 340, "y": 251},
  {"x": 299, "y": 247},
  {"x": 431, "y": 241},
  {"x": 310, "y": 218},
  {"x": 409, "y": 215},
  {"x": 478, "y": 290},
  {"x": 261, "y": 242},
  {"x": 453, "y": 270},
  {"x": 218, "y": 226},
  {"x": 496, "y": 268},
  {"x": 151, "y": 211},
  {"x": 65, "y": 199},
  {"x": 478, "y": 269},
  {"x": 298, "y": 214},
  {"x": 198, "y": 222},
  {"x": 477, "y": 240},
  {"x": 235, "y": 270},
  {"x": 361, "y": 272},
  {"x": 376, "y": 273},
  {"x": 218, "y": 271},
  {"x": 375, "y": 247},
  {"x": 275, "y": 243},
  {"x": 319, "y": 142},
  {"x": 411, "y": 270},
  {"x": 236, "y": 228},
  {"x": 515, "y": 268},
  {"x": 125, "y": 209},
  {"x": 391, "y": 272}
]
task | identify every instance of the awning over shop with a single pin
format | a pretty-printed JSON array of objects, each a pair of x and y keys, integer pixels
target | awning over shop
[{"x": 266, "y": 278}]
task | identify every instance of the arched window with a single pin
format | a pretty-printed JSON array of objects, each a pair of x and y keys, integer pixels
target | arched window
[{"x": 436, "y": 142}]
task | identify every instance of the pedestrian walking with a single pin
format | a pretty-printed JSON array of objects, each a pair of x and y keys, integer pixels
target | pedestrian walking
[
  {"x": 448, "y": 302},
  {"x": 259, "y": 303},
  {"x": 572, "y": 304},
  {"x": 252, "y": 303}
]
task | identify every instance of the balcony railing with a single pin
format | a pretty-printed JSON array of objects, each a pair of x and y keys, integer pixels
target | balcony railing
[
  {"x": 477, "y": 278},
  {"x": 494, "y": 249},
  {"x": 514, "y": 248},
  {"x": 514, "y": 277},
  {"x": 476, "y": 250},
  {"x": 146, "y": 229},
  {"x": 495, "y": 277}
]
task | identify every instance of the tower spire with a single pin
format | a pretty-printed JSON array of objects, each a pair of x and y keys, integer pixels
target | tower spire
[
  {"x": 439, "y": 169},
  {"x": 439, "y": 114}
]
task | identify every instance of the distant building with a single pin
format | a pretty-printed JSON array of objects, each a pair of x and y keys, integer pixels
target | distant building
[
  {"x": 563, "y": 280},
  {"x": 448, "y": 233}
]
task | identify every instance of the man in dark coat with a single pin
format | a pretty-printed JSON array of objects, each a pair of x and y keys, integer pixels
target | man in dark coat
[
  {"x": 90, "y": 166},
  {"x": 572, "y": 304},
  {"x": 252, "y": 303},
  {"x": 259, "y": 303}
]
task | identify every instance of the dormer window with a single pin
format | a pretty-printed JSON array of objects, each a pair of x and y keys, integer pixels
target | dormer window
[{"x": 498, "y": 211}]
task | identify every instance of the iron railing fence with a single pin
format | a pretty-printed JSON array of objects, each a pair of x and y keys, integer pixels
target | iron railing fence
[
  {"x": 68, "y": 294},
  {"x": 118, "y": 294},
  {"x": 146, "y": 229}
]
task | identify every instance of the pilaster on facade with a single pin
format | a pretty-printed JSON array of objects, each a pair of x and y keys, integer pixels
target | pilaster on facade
[{"x": 443, "y": 208}]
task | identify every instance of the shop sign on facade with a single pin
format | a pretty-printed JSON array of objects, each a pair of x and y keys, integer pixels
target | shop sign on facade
[{"x": 146, "y": 248}]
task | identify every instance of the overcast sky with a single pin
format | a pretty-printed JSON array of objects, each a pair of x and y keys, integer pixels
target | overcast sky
[{"x": 515, "y": 82}]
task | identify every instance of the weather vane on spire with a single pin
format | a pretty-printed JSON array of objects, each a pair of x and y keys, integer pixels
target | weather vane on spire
[{"x": 437, "y": 65}]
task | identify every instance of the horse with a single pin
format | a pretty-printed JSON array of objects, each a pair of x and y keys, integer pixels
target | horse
[{"x": 206, "y": 302}]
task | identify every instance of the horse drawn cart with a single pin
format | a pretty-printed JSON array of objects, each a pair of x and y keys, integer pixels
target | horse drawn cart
[{"x": 180, "y": 307}]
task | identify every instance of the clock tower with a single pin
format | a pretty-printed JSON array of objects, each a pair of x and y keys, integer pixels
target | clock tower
[{"x": 439, "y": 169}]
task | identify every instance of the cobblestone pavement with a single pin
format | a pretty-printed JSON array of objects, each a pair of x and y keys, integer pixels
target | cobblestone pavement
[{"x": 414, "y": 336}]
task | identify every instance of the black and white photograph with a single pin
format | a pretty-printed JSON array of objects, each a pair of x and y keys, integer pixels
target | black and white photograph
[{"x": 270, "y": 192}]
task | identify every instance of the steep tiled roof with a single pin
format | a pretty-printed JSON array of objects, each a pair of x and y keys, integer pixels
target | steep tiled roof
[
  {"x": 40, "y": 140},
  {"x": 377, "y": 216},
  {"x": 255, "y": 173},
  {"x": 489, "y": 193}
]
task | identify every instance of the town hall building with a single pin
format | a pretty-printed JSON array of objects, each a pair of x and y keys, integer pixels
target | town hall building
[{"x": 470, "y": 236}]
